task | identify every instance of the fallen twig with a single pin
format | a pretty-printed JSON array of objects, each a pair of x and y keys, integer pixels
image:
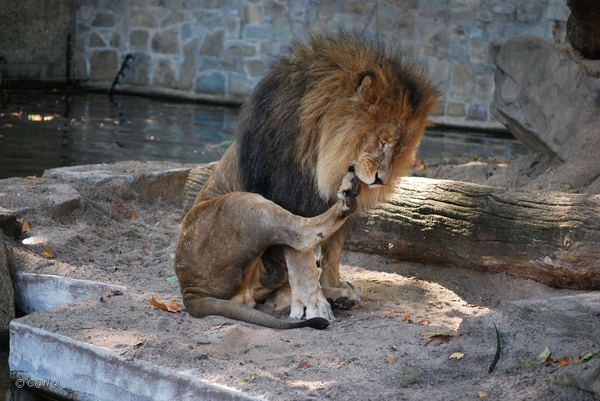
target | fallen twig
[{"x": 498, "y": 349}]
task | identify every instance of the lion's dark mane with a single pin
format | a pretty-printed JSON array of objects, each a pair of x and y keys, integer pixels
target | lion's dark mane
[
  {"x": 269, "y": 156},
  {"x": 269, "y": 124}
]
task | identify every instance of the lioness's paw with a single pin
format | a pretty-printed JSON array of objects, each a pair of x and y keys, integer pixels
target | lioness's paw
[
  {"x": 345, "y": 296},
  {"x": 347, "y": 193},
  {"x": 310, "y": 310},
  {"x": 280, "y": 299}
]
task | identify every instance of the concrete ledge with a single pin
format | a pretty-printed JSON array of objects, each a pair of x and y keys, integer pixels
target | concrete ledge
[
  {"x": 166, "y": 183},
  {"x": 44, "y": 360},
  {"x": 36, "y": 292}
]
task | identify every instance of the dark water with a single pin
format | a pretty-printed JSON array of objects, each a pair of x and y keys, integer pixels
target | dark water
[
  {"x": 45, "y": 130},
  {"x": 41, "y": 130},
  {"x": 448, "y": 143}
]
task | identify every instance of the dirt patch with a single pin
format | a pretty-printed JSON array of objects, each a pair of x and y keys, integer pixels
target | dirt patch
[{"x": 110, "y": 233}]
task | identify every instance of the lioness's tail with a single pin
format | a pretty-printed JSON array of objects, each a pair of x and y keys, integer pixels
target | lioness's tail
[{"x": 212, "y": 306}]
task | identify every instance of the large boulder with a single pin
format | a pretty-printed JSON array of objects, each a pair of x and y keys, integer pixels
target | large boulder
[{"x": 545, "y": 96}]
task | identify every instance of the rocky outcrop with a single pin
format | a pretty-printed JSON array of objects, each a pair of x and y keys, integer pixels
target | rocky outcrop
[
  {"x": 549, "y": 98},
  {"x": 544, "y": 96}
]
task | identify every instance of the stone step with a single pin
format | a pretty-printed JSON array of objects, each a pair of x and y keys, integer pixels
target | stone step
[{"x": 48, "y": 362}]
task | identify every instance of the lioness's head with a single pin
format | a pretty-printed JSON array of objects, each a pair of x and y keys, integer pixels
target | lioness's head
[{"x": 366, "y": 110}]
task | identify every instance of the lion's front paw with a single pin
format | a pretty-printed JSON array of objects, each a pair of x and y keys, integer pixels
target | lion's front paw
[
  {"x": 320, "y": 308},
  {"x": 347, "y": 193},
  {"x": 345, "y": 296}
]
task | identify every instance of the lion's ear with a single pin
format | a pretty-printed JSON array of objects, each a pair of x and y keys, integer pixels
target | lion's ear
[{"x": 366, "y": 87}]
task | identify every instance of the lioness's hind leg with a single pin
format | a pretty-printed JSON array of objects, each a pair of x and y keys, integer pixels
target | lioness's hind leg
[
  {"x": 341, "y": 294},
  {"x": 313, "y": 231},
  {"x": 307, "y": 299}
]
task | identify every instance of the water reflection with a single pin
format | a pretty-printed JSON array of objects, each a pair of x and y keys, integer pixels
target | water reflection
[
  {"x": 87, "y": 128},
  {"x": 45, "y": 130},
  {"x": 456, "y": 143}
]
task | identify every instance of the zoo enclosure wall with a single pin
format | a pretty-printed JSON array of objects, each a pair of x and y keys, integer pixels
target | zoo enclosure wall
[{"x": 218, "y": 50}]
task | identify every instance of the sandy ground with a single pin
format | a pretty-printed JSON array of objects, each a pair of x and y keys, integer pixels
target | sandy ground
[{"x": 377, "y": 351}]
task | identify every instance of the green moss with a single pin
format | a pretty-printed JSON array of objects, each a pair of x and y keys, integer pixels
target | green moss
[{"x": 528, "y": 363}]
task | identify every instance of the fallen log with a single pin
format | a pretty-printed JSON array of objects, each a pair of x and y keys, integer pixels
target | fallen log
[{"x": 550, "y": 237}]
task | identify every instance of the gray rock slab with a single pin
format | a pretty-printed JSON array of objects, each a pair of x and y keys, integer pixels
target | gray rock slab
[
  {"x": 36, "y": 292},
  {"x": 582, "y": 376},
  {"x": 92, "y": 373},
  {"x": 149, "y": 180},
  {"x": 62, "y": 200},
  {"x": 543, "y": 95},
  {"x": 51, "y": 199}
]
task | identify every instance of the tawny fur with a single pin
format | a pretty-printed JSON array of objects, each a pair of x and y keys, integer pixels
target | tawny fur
[
  {"x": 339, "y": 111},
  {"x": 339, "y": 115}
]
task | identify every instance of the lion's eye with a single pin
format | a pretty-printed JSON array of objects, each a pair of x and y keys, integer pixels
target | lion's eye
[{"x": 382, "y": 144}]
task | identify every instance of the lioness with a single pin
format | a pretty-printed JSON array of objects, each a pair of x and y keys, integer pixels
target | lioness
[{"x": 337, "y": 114}]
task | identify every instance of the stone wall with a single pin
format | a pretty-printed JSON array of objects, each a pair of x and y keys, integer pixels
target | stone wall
[
  {"x": 33, "y": 40},
  {"x": 219, "y": 49}
]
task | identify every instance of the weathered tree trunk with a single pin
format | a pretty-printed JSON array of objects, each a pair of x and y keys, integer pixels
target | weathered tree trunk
[
  {"x": 550, "y": 237},
  {"x": 195, "y": 181}
]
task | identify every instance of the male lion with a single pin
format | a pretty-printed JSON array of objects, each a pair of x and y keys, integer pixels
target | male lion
[{"x": 337, "y": 115}]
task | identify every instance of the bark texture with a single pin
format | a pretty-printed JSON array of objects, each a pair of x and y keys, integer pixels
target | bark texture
[{"x": 550, "y": 237}]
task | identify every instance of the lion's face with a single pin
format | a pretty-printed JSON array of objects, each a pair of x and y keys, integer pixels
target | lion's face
[
  {"x": 384, "y": 155},
  {"x": 376, "y": 158},
  {"x": 379, "y": 147}
]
